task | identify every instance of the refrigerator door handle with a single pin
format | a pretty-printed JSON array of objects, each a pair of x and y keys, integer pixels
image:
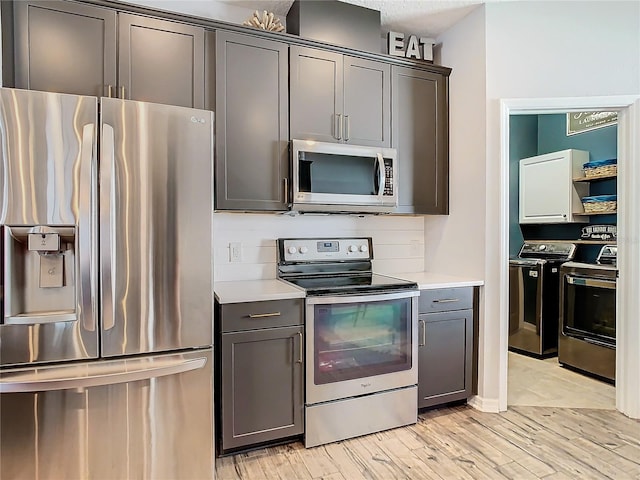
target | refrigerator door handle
[
  {"x": 86, "y": 235},
  {"x": 67, "y": 378},
  {"x": 107, "y": 231}
]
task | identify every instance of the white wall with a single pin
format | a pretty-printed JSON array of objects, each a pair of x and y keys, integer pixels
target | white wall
[
  {"x": 456, "y": 244},
  {"x": 562, "y": 48},
  {"x": 531, "y": 49},
  {"x": 398, "y": 242}
]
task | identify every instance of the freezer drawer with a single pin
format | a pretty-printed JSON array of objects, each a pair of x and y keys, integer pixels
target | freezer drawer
[{"x": 147, "y": 417}]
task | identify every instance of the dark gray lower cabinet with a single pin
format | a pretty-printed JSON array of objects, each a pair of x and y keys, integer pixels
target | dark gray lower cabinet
[
  {"x": 260, "y": 396},
  {"x": 445, "y": 353}
]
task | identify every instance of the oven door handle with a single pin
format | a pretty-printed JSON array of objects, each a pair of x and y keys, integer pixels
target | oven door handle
[
  {"x": 591, "y": 282},
  {"x": 362, "y": 298},
  {"x": 598, "y": 342}
]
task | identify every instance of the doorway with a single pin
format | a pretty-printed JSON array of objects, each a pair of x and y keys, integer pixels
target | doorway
[
  {"x": 550, "y": 143},
  {"x": 627, "y": 355}
]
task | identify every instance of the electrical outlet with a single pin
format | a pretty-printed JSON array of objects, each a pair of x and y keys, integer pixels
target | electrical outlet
[{"x": 235, "y": 252}]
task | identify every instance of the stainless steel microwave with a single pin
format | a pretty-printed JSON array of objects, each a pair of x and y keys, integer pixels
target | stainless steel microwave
[{"x": 335, "y": 177}]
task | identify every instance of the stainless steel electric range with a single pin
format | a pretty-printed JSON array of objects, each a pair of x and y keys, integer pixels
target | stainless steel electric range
[
  {"x": 587, "y": 340},
  {"x": 361, "y": 329}
]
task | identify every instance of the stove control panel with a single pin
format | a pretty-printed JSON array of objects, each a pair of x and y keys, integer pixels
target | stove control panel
[
  {"x": 608, "y": 255},
  {"x": 325, "y": 249},
  {"x": 548, "y": 250}
]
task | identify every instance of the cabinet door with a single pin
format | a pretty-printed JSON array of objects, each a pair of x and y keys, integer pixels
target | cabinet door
[
  {"x": 420, "y": 133},
  {"x": 445, "y": 357},
  {"x": 262, "y": 390},
  {"x": 160, "y": 61},
  {"x": 64, "y": 47},
  {"x": 544, "y": 190},
  {"x": 316, "y": 95},
  {"x": 252, "y": 123},
  {"x": 367, "y": 102},
  {"x": 547, "y": 191}
]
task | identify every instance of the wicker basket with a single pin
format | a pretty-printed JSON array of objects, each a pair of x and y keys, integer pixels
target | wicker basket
[
  {"x": 600, "y": 207},
  {"x": 600, "y": 204},
  {"x": 600, "y": 168},
  {"x": 601, "y": 171}
]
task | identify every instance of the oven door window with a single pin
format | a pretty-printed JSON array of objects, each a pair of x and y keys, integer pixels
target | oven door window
[
  {"x": 362, "y": 339},
  {"x": 590, "y": 309}
]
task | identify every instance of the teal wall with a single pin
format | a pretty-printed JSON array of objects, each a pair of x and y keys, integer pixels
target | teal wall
[
  {"x": 523, "y": 143},
  {"x": 601, "y": 143},
  {"x": 549, "y": 132}
]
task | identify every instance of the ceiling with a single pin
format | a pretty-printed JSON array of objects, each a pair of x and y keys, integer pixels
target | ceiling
[{"x": 417, "y": 17}]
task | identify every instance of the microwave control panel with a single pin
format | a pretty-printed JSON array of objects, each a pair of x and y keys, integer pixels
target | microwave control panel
[
  {"x": 388, "y": 177},
  {"x": 330, "y": 249}
]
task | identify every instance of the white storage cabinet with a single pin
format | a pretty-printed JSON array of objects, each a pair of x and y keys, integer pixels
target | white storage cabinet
[{"x": 548, "y": 193}]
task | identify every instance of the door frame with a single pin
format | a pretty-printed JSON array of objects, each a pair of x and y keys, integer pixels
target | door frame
[{"x": 628, "y": 301}]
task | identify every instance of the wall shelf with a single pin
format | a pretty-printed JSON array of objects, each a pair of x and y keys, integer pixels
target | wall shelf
[
  {"x": 595, "y": 178},
  {"x": 595, "y": 213}
]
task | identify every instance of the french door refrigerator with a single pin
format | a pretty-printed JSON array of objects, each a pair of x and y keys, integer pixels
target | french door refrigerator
[{"x": 106, "y": 327}]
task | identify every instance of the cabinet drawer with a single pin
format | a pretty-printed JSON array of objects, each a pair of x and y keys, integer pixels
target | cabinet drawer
[
  {"x": 255, "y": 315},
  {"x": 445, "y": 299}
]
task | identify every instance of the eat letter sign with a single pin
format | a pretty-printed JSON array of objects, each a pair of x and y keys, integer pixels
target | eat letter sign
[{"x": 418, "y": 48}]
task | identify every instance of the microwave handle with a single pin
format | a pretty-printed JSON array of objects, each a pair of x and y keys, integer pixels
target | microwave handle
[
  {"x": 337, "y": 126},
  {"x": 381, "y": 174}
]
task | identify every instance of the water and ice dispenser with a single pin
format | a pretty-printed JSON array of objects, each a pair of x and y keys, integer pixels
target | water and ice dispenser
[{"x": 39, "y": 274}]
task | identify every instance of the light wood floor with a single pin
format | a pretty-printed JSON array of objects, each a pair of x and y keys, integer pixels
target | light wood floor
[
  {"x": 463, "y": 443},
  {"x": 544, "y": 383},
  {"x": 560, "y": 425}
]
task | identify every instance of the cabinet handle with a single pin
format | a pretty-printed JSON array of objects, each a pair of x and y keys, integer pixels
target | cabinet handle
[
  {"x": 347, "y": 128},
  {"x": 447, "y": 300},
  {"x": 264, "y": 315},
  {"x": 286, "y": 190},
  {"x": 424, "y": 333},
  {"x": 337, "y": 126},
  {"x": 110, "y": 91},
  {"x": 301, "y": 349},
  {"x": 122, "y": 93}
]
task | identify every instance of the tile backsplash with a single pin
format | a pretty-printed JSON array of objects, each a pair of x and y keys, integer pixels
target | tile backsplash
[{"x": 398, "y": 241}]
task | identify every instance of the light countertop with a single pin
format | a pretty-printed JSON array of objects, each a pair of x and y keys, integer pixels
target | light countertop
[
  {"x": 430, "y": 280},
  {"x": 255, "y": 291},
  {"x": 274, "y": 289}
]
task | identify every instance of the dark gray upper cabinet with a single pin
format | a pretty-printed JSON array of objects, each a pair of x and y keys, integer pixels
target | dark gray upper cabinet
[
  {"x": 316, "y": 94},
  {"x": 252, "y": 123},
  {"x": 72, "y": 48},
  {"x": 160, "y": 61},
  {"x": 420, "y": 133},
  {"x": 64, "y": 47},
  {"x": 338, "y": 98}
]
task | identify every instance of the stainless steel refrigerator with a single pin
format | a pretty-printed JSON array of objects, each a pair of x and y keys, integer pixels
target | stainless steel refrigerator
[{"x": 106, "y": 328}]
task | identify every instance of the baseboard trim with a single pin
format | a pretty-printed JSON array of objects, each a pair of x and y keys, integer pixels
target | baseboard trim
[{"x": 489, "y": 405}]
